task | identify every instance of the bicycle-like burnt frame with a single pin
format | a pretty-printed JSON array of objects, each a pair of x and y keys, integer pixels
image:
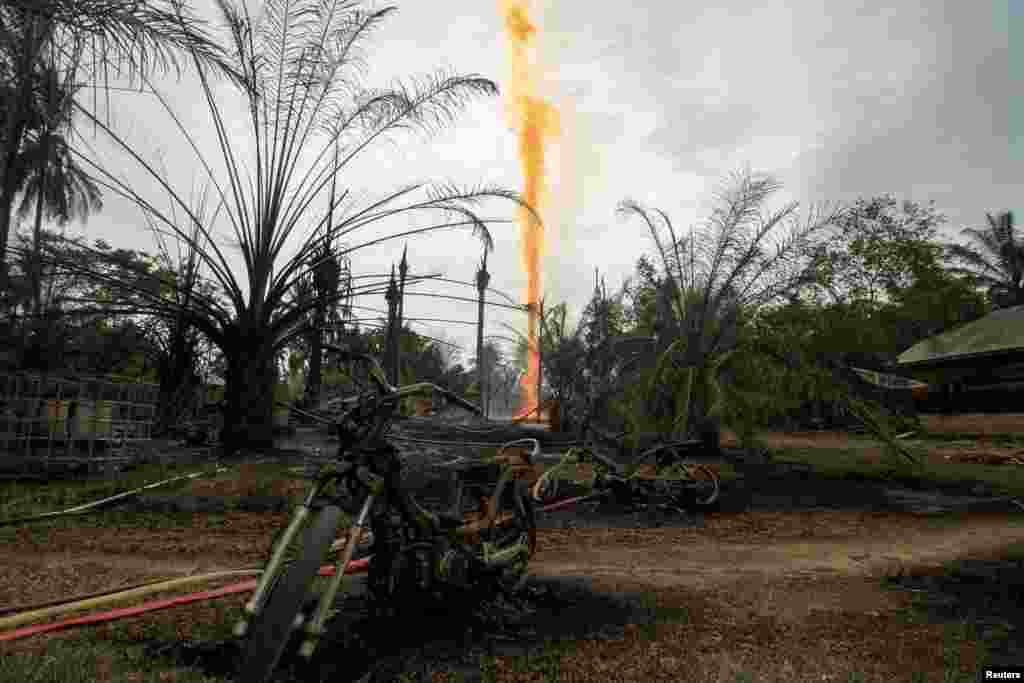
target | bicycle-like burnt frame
[
  {"x": 661, "y": 475},
  {"x": 413, "y": 550}
]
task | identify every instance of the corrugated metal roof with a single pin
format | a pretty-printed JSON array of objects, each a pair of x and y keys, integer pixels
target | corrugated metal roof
[
  {"x": 887, "y": 381},
  {"x": 1000, "y": 331}
]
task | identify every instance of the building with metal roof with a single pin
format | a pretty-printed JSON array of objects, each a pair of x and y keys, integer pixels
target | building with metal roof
[{"x": 979, "y": 364}]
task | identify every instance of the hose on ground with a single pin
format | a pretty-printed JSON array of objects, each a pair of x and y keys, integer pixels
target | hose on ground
[
  {"x": 24, "y": 617},
  {"x": 30, "y": 613},
  {"x": 354, "y": 567},
  {"x": 477, "y": 444},
  {"x": 97, "y": 504},
  {"x": 20, "y": 609}
]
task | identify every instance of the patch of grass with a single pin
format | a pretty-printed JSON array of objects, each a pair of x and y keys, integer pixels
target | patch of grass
[
  {"x": 545, "y": 665},
  {"x": 841, "y": 463},
  {"x": 117, "y": 651},
  {"x": 663, "y": 614},
  {"x": 1000, "y": 439},
  {"x": 24, "y": 498},
  {"x": 92, "y": 662},
  {"x": 157, "y": 521},
  {"x": 975, "y": 603},
  {"x": 258, "y": 478}
]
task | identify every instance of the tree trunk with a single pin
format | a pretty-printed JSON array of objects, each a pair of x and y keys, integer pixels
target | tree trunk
[
  {"x": 8, "y": 191},
  {"x": 249, "y": 395},
  {"x": 15, "y": 123},
  {"x": 177, "y": 381},
  {"x": 37, "y": 251},
  {"x": 35, "y": 342},
  {"x": 316, "y": 346}
]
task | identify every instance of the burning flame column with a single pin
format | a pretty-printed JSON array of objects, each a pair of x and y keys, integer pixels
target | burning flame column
[{"x": 536, "y": 121}]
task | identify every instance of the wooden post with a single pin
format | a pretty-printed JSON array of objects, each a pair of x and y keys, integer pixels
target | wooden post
[
  {"x": 482, "y": 279},
  {"x": 391, "y": 336}
]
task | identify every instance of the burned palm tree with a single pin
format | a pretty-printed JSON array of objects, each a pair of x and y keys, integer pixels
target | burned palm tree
[
  {"x": 326, "y": 281},
  {"x": 301, "y": 64},
  {"x": 318, "y": 291}
]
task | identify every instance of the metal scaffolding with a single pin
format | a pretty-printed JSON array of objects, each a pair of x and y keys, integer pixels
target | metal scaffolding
[{"x": 50, "y": 422}]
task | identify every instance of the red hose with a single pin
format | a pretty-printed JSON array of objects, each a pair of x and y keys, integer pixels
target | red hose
[
  {"x": 566, "y": 502},
  {"x": 354, "y": 567}
]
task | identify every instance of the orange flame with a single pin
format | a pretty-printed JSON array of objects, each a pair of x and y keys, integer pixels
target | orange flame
[{"x": 536, "y": 120}]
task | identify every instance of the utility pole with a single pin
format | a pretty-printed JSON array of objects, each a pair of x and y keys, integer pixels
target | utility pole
[
  {"x": 540, "y": 357},
  {"x": 403, "y": 268},
  {"x": 482, "y": 280},
  {"x": 391, "y": 295}
]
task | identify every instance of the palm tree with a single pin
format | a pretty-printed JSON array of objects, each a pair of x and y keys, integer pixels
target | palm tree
[
  {"x": 51, "y": 179},
  {"x": 175, "y": 340},
  {"x": 325, "y": 280},
  {"x": 304, "y": 98},
  {"x": 318, "y": 290},
  {"x": 89, "y": 41},
  {"x": 712, "y": 277},
  {"x": 997, "y": 263}
]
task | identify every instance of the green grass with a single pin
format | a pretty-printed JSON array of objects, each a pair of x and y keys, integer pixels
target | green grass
[
  {"x": 113, "y": 652},
  {"x": 1000, "y": 439},
  {"x": 25, "y": 497},
  {"x": 841, "y": 463},
  {"x": 264, "y": 474},
  {"x": 545, "y": 664},
  {"x": 990, "y": 622},
  {"x": 76, "y": 662},
  {"x": 39, "y": 531}
]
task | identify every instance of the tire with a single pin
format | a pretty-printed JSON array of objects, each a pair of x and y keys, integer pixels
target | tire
[
  {"x": 704, "y": 485},
  {"x": 272, "y": 629}
]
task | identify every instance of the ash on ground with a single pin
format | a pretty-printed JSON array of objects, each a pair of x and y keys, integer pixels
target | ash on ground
[{"x": 449, "y": 638}]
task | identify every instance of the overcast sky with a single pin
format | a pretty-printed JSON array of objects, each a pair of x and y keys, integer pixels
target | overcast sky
[{"x": 840, "y": 99}]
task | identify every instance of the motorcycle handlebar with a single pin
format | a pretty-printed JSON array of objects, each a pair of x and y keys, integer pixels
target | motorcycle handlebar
[{"x": 386, "y": 388}]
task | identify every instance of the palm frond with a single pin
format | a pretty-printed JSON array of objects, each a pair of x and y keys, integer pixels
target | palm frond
[
  {"x": 998, "y": 260},
  {"x": 134, "y": 38},
  {"x": 425, "y": 104}
]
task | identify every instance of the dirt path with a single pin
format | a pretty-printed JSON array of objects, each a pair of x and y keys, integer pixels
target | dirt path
[
  {"x": 786, "y": 585},
  {"x": 789, "y": 564},
  {"x": 132, "y": 563},
  {"x": 755, "y": 546},
  {"x": 705, "y": 561},
  {"x": 788, "y": 579}
]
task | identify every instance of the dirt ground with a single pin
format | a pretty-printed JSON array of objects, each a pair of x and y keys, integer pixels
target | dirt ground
[
  {"x": 975, "y": 423},
  {"x": 982, "y": 439},
  {"x": 787, "y": 581}
]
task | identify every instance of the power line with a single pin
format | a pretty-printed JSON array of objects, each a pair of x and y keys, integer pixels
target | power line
[{"x": 519, "y": 308}]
